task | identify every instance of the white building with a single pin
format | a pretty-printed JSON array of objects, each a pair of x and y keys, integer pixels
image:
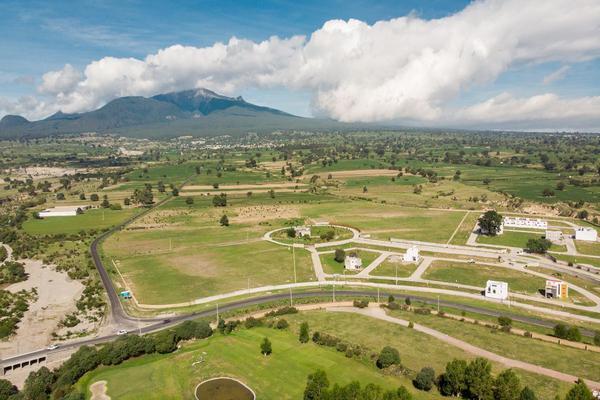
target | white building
[
  {"x": 520, "y": 222},
  {"x": 496, "y": 290},
  {"x": 557, "y": 289},
  {"x": 411, "y": 255},
  {"x": 587, "y": 234},
  {"x": 554, "y": 236},
  {"x": 62, "y": 211},
  {"x": 353, "y": 262},
  {"x": 302, "y": 231}
]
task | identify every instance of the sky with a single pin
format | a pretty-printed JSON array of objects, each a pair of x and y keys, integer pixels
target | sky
[{"x": 493, "y": 64}]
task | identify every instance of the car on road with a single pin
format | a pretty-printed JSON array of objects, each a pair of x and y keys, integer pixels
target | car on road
[
  {"x": 122, "y": 332},
  {"x": 52, "y": 347}
]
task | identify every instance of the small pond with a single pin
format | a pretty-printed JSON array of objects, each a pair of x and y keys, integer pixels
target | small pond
[{"x": 223, "y": 389}]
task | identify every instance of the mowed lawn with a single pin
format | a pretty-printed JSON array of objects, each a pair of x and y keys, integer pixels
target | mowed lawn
[
  {"x": 283, "y": 374},
  {"x": 90, "y": 219},
  {"x": 395, "y": 268},
  {"x": 477, "y": 275},
  {"x": 515, "y": 239},
  {"x": 330, "y": 266},
  {"x": 383, "y": 221},
  {"x": 590, "y": 248}
]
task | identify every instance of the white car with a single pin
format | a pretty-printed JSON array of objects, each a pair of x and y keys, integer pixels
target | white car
[
  {"x": 52, "y": 347},
  {"x": 122, "y": 332}
]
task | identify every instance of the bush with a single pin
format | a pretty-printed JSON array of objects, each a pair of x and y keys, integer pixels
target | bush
[
  {"x": 340, "y": 255},
  {"x": 361, "y": 303},
  {"x": 387, "y": 357},
  {"x": 165, "y": 342},
  {"x": 425, "y": 379},
  {"x": 504, "y": 321},
  {"x": 252, "y": 322},
  {"x": 573, "y": 334},
  {"x": 303, "y": 336},
  {"x": 539, "y": 246},
  {"x": 282, "y": 311},
  {"x": 282, "y": 324},
  {"x": 265, "y": 347}
]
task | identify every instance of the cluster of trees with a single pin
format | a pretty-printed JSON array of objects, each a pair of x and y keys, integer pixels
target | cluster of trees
[
  {"x": 45, "y": 384},
  {"x": 12, "y": 272},
  {"x": 490, "y": 222},
  {"x": 144, "y": 196},
  {"x": 538, "y": 245},
  {"x": 318, "y": 388},
  {"x": 12, "y": 308},
  {"x": 220, "y": 200},
  {"x": 563, "y": 331}
]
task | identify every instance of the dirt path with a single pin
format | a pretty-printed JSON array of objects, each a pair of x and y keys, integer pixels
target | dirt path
[
  {"x": 477, "y": 351},
  {"x": 98, "y": 390}
]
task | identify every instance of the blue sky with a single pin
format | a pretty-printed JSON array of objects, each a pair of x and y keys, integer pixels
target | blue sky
[{"x": 42, "y": 36}]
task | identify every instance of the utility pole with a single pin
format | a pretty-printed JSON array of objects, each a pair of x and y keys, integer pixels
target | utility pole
[
  {"x": 334, "y": 291},
  {"x": 378, "y": 295},
  {"x": 170, "y": 244},
  {"x": 396, "y": 274},
  {"x": 438, "y": 303},
  {"x": 291, "y": 298},
  {"x": 217, "y": 313},
  {"x": 294, "y": 258}
]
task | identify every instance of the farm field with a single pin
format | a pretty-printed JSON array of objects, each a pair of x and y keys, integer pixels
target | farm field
[
  {"x": 237, "y": 355},
  {"x": 91, "y": 219}
]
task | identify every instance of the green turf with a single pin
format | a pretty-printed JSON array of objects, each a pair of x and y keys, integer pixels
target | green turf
[
  {"x": 516, "y": 239},
  {"x": 330, "y": 266},
  {"x": 90, "y": 219}
]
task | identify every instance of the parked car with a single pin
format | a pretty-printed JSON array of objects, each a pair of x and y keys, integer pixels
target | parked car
[{"x": 122, "y": 332}]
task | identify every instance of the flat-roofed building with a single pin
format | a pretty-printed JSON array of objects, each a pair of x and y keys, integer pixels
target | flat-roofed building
[
  {"x": 496, "y": 290},
  {"x": 556, "y": 289},
  {"x": 63, "y": 211},
  {"x": 586, "y": 234},
  {"x": 521, "y": 222}
]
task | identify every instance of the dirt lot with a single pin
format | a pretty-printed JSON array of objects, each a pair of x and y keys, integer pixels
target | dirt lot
[
  {"x": 57, "y": 294},
  {"x": 244, "y": 187},
  {"x": 358, "y": 173},
  {"x": 242, "y": 192},
  {"x": 43, "y": 172}
]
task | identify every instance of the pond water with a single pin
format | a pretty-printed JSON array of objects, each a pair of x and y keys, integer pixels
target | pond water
[{"x": 223, "y": 389}]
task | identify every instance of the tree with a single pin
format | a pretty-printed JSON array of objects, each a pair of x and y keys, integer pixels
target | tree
[
  {"x": 38, "y": 384},
  {"x": 7, "y": 389},
  {"x": 508, "y": 386},
  {"x": 547, "y": 192},
  {"x": 407, "y": 301},
  {"x": 452, "y": 381},
  {"x": 490, "y": 222},
  {"x": 105, "y": 203},
  {"x": 560, "y": 331},
  {"x": 60, "y": 196},
  {"x": 539, "y": 246},
  {"x": 82, "y": 196},
  {"x": 175, "y": 192},
  {"x": 126, "y": 201},
  {"x": 94, "y": 197},
  {"x": 478, "y": 379},
  {"x": 580, "y": 391},
  {"x": 189, "y": 201},
  {"x": 573, "y": 334},
  {"x": 504, "y": 321},
  {"x": 425, "y": 379},
  {"x": 583, "y": 214},
  {"x": 224, "y": 221},
  {"x": 527, "y": 394},
  {"x": 340, "y": 255},
  {"x": 165, "y": 342},
  {"x": 387, "y": 357},
  {"x": 316, "y": 386},
  {"x": 265, "y": 347},
  {"x": 291, "y": 232},
  {"x": 303, "y": 336},
  {"x": 560, "y": 186},
  {"x": 220, "y": 200},
  {"x": 597, "y": 338}
]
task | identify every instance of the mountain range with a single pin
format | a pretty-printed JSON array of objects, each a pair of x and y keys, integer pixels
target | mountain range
[{"x": 196, "y": 112}]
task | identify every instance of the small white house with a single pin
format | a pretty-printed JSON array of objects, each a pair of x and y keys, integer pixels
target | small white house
[
  {"x": 520, "y": 222},
  {"x": 496, "y": 290},
  {"x": 554, "y": 236},
  {"x": 411, "y": 255},
  {"x": 586, "y": 234},
  {"x": 302, "y": 231},
  {"x": 352, "y": 262},
  {"x": 62, "y": 211},
  {"x": 556, "y": 289}
]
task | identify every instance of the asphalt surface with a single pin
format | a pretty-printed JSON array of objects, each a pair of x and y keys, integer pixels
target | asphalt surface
[{"x": 241, "y": 304}]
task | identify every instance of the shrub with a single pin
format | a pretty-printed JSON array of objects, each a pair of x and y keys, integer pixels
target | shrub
[
  {"x": 303, "y": 336},
  {"x": 361, "y": 303},
  {"x": 425, "y": 379},
  {"x": 265, "y": 347},
  {"x": 340, "y": 255},
  {"x": 387, "y": 357},
  {"x": 282, "y": 324},
  {"x": 282, "y": 311},
  {"x": 252, "y": 322}
]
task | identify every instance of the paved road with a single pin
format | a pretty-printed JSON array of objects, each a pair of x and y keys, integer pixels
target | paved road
[
  {"x": 461, "y": 344},
  {"x": 166, "y": 323}
]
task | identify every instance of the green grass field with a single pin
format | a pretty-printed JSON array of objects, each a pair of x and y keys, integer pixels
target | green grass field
[
  {"x": 237, "y": 355},
  {"x": 91, "y": 219},
  {"x": 331, "y": 266},
  {"x": 516, "y": 239},
  {"x": 589, "y": 248},
  {"x": 391, "y": 268},
  {"x": 477, "y": 275}
]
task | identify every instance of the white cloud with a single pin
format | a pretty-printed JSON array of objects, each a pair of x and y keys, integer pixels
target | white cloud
[
  {"x": 401, "y": 69},
  {"x": 556, "y": 75}
]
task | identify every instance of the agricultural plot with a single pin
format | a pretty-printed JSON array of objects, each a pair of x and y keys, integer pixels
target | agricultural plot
[{"x": 92, "y": 219}]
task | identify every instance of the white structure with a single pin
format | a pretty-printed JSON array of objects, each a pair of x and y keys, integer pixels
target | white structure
[
  {"x": 302, "y": 231},
  {"x": 554, "y": 236},
  {"x": 62, "y": 211},
  {"x": 557, "y": 289},
  {"x": 520, "y": 222},
  {"x": 411, "y": 255},
  {"x": 587, "y": 234},
  {"x": 353, "y": 262},
  {"x": 496, "y": 290}
]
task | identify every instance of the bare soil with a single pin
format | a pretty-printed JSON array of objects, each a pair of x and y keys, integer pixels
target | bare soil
[{"x": 98, "y": 390}]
